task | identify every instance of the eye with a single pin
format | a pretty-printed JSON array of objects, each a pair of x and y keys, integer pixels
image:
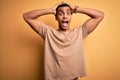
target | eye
[
  {"x": 60, "y": 13},
  {"x": 68, "y": 12}
]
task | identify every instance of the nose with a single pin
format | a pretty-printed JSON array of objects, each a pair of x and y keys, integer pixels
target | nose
[{"x": 65, "y": 16}]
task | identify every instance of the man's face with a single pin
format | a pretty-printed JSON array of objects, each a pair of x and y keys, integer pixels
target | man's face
[{"x": 64, "y": 17}]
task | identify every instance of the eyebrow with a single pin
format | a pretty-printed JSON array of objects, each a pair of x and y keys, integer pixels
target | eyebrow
[{"x": 62, "y": 10}]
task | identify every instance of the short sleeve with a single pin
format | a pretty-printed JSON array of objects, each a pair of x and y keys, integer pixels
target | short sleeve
[
  {"x": 43, "y": 29},
  {"x": 84, "y": 31}
]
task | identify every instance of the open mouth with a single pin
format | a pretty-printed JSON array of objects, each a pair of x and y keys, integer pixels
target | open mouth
[{"x": 65, "y": 22}]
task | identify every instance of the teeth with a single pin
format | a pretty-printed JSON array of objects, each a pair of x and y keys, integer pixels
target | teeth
[{"x": 64, "y": 21}]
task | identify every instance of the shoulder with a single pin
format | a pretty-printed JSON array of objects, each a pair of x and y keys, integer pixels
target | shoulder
[
  {"x": 81, "y": 29},
  {"x": 44, "y": 29},
  {"x": 77, "y": 28}
]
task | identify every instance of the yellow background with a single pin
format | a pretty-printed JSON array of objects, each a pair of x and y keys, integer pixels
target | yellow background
[{"x": 21, "y": 49}]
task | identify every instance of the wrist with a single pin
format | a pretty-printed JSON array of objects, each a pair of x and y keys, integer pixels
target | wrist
[
  {"x": 51, "y": 11},
  {"x": 76, "y": 9}
]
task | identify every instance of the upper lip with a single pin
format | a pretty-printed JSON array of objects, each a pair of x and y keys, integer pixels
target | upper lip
[{"x": 64, "y": 21}]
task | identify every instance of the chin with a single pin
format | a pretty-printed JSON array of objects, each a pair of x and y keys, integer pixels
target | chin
[{"x": 64, "y": 29}]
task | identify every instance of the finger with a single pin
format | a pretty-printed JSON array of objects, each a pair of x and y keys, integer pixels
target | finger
[{"x": 71, "y": 6}]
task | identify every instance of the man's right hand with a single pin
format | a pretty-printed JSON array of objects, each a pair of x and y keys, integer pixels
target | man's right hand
[{"x": 53, "y": 9}]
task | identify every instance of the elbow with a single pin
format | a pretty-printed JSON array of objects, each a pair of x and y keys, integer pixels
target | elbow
[
  {"x": 25, "y": 16},
  {"x": 101, "y": 15}
]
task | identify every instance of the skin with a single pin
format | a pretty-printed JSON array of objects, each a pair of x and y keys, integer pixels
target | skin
[
  {"x": 96, "y": 17},
  {"x": 64, "y": 14}
]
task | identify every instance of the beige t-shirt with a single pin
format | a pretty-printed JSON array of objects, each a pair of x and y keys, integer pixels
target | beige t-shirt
[{"x": 64, "y": 57}]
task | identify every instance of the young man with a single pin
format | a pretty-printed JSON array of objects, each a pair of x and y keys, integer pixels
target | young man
[{"x": 64, "y": 57}]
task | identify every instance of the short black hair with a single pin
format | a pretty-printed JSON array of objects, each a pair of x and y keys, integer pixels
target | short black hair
[{"x": 63, "y": 5}]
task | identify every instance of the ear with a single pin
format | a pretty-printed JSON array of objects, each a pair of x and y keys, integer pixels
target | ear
[{"x": 56, "y": 17}]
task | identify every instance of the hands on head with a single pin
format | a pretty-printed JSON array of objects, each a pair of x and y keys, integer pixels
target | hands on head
[{"x": 74, "y": 8}]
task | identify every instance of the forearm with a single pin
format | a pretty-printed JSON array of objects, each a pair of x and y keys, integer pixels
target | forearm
[
  {"x": 37, "y": 13},
  {"x": 31, "y": 17},
  {"x": 90, "y": 12},
  {"x": 96, "y": 17}
]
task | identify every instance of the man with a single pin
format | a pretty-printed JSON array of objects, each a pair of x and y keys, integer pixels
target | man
[{"x": 64, "y": 57}]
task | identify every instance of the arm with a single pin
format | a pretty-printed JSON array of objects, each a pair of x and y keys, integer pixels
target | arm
[
  {"x": 31, "y": 16},
  {"x": 95, "y": 17}
]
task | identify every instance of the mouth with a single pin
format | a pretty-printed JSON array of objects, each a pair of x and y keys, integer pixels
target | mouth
[{"x": 65, "y": 23}]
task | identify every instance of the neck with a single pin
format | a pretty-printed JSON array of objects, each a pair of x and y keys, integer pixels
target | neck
[{"x": 64, "y": 30}]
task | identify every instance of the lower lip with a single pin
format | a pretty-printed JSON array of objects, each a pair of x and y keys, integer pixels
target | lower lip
[{"x": 65, "y": 24}]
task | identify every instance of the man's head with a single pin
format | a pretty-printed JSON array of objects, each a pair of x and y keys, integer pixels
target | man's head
[{"x": 63, "y": 16}]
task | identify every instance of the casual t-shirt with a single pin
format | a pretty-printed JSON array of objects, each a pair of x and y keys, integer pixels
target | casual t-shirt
[{"x": 63, "y": 52}]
